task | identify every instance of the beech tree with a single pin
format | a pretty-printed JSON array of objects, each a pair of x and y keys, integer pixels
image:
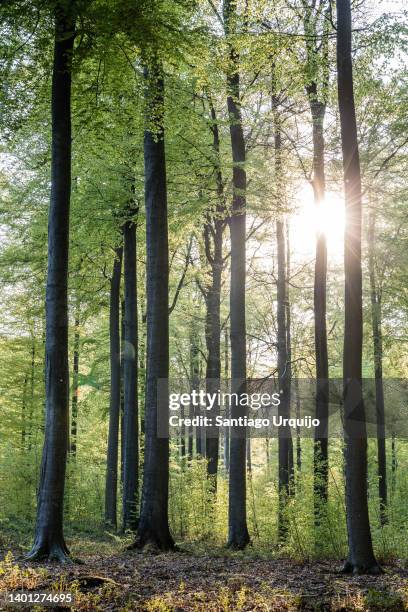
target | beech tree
[
  {"x": 360, "y": 556},
  {"x": 130, "y": 363},
  {"x": 316, "y": 28},
  {"x": 238, "y": 536},
  {"x": 111, "y": 487},
  {"x": 153, "y": 527},
  {"x": 49, "y": 536}
]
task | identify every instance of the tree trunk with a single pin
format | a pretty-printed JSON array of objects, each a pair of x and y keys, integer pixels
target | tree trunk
[
  {"x": 195, "y": 383},
  {"x": 130, "y": 365},
  {"x": 122, "y": 397},
  {"x": 285, "y": 456},
  {"x": 238, "y": 536},
  {"x": 289, "y": 354},
  {"x": 394, "y": 463},
  {"x": 226, "y": 429},
  {"x": 23, "y": 414},
  {"x": 285, "y": 446},
  {"x": 154, "y": 524},
  {"x": 361, "y": 556},
  {"x": 49, "y": 538},
  {"x": 298, "y": 442},
  {"x": 111, "y": 489},
  {"x": 32, "y": 399},
  {"x": 378, "y": 371},
  {"x": 190, "y": 432},
  {"x": 213, "y": 365},
  {"x": 320, "y": 452},
  {"x": 74, "y": 400},
  {"x": 214, "y": 229}
]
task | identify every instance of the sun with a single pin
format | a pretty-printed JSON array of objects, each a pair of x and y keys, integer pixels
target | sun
[{"x": 309, "y": 220}]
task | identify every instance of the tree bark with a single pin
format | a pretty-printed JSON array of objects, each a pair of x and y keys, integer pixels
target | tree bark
[
  {"x": 74, "y": 400},
  {"x": 376, "y": 322},
  {"x": 213, "y": 236},
  {"x": 195, "y": 383},
  {"x": 289, "y": 353},
  {"x": 122, "y": 396},
  {"x": 111, "y": 489},
  {"x": 320, "y": 452},
  {"x": 130, "y": 366},
  {"x": 49, "y": 538},
  {"x": 298, "y": 442},
  {"x": 23, "y": 413},
  {"x": 226, "y": 429},
  {"x": 285, "y": 446},
  {"x": 360, "y": 556},
  {"x": 238, "y": 536},
  {"x": 32, "y": 399},
  {"x": 153, "y": 524}
]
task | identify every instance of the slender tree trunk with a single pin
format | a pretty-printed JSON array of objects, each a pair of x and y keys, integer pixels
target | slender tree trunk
[
  {"x": 394, "y": 463},
  {"x": 248, "y": 455},
  {"x": 289, "y": 353},
  {"x": 320, "y": 454},
  {"x": 238, "y": 536},
  {"x": 122, "y": 395},
  {"x": 195, "y": 383},
  {"x": 74, "y": 400},
  {"x": 130, "y": 403},
  {"x": 190, "y": 433},
  {"x": 284, "y": 435},
  {"x": 213, "y": 365},
  {"x": 298, "y": 442},
  {"x": 378, "y": 371},
  {"x": 214, "y": 228},
  {"x": 226, "y": 429},
  {"x": 154, "y": 524},
  {"x": 267, "y": 455},
  {"x": 32, "y": 399},
  {"x": 285, "y": 446},
  {"x": 361, "y": 556},
  {"x": 142, "y": 380},
  {"x": 23, "y": 414},
  {"x": 111, "y": 489},
  {"x": 49, "y": 538}
]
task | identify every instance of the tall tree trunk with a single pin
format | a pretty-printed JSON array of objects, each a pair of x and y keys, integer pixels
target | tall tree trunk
[
  {"x": 317, "y": 74},
  {"x": 320, "y": 453},
  {"x": 130, "y": 365},
  {"x": 289, "y": 352},
  {"x": 298, "y": 442},
  {"x": 394, "y": 463},
  {"x": 226, "y": 429},
  {"x": 49, "y": 538},
  {"x": 111, "y": 489},
  {"x": 285, "y": 454},
  {"x": 154, "y": 524},
  {"x": 360, "y": 556},
  {"x": 75, "y": 372},
  {"x": 238, "y": 536},
  {"x": 214, "y": 228},
  {"x": 32, "y": 399},
  {"x": 142, "y": 379},
  {"x": 285, "y": 446},
  {"x": 378, "y": 370},
  {"x": 213, "y": 365},
  {"x": 195, "y": 382},
  {"x": 23, "y": 413},
  {"x": 122, "y": 395},
  {"x": 190, "y": 432}
]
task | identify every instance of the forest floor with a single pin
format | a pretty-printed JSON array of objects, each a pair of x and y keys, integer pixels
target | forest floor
[{"x": 112, "y": 578}]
